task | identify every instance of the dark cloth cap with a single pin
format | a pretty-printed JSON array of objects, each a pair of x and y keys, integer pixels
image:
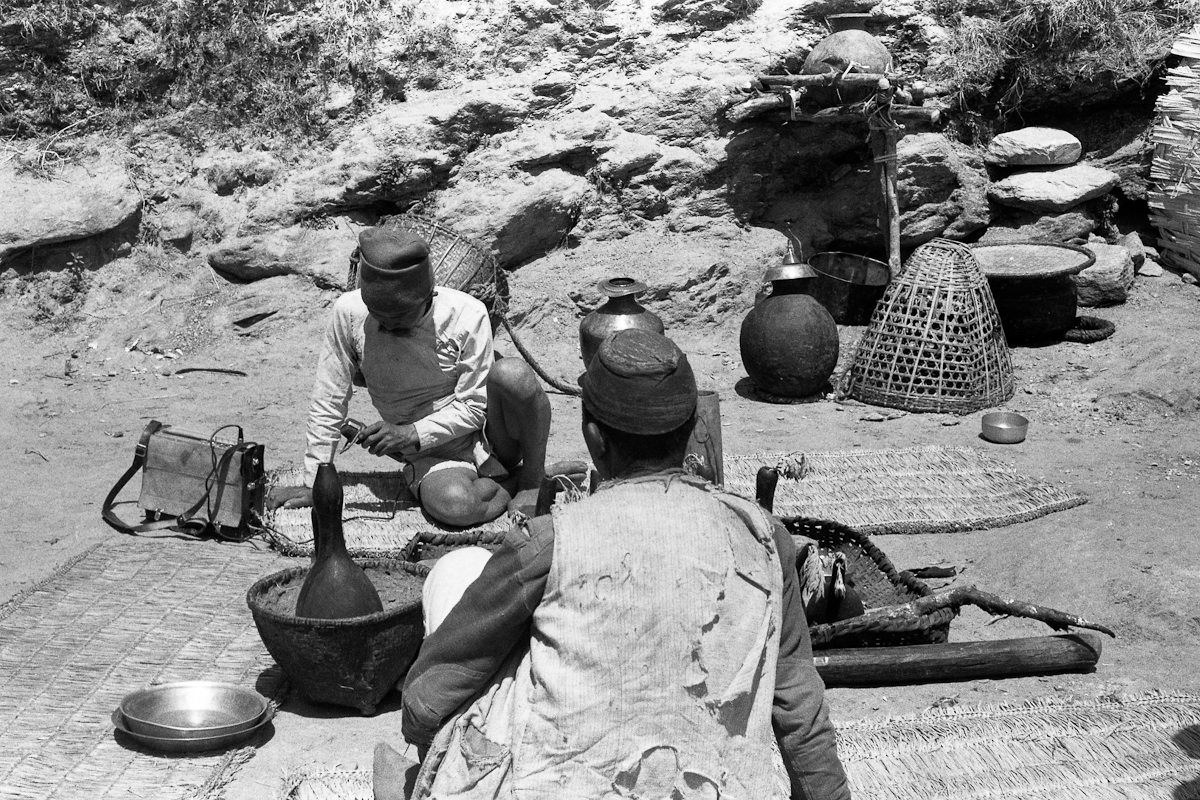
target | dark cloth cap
[
  {"x": 394, "y": 272},
  {"x": 639, "y": 382}
]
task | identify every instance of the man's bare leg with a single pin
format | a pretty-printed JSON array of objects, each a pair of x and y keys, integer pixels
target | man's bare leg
[
  {"x": 518, "y": 421},
  {"x": 459, "y": 497},
  {"x": 518, "y": 428}
]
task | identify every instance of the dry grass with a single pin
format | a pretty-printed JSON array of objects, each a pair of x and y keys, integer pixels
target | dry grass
[
  {"x": 253, "y": 63},
  {"x": 1012, "y": 52}
]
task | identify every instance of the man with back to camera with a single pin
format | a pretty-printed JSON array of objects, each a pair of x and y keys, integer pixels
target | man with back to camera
[
  {"x": 470, "y": 429},
  {"x": 645, "y": 641}
]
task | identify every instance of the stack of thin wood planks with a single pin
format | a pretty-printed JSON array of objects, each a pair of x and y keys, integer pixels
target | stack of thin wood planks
[{"x": 1174, "y": 196}]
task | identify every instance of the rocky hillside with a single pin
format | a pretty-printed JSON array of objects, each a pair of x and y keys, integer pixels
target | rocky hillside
[{"x": 531, "y": 125}]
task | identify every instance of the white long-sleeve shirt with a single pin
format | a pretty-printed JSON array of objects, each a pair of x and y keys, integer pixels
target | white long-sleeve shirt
[{"x": 433, "y": 376}]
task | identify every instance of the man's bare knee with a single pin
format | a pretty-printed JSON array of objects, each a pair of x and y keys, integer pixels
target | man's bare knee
[
  {"x": 460, "y": 503},
  {"x": 514, "y": 380}
]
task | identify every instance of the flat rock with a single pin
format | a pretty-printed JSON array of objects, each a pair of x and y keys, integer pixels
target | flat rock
[
  {"x": 1026, "y": 226},
  {"x": 521, "y": 215},
  {"x": 75, "y": 201},
  {"x": 1150, "y": 269},
  {"x": 321, "y": 254},
  {"x": 1108, "y": 281},
  {"x": 1033, "y": 147},
  {"x": 1053, "y": 190},
  {"x": 396, "y": 156}
]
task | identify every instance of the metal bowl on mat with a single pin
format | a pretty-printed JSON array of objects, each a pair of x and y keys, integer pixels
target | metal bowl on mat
[
  {"x": 200, "y": 744},
  {"x": 1004, "y": 427},
  {"x": 192, "y": 710}
]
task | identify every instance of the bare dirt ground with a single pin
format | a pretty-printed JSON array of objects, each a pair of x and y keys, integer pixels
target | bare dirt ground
[{"x": 1117, "y": 421}]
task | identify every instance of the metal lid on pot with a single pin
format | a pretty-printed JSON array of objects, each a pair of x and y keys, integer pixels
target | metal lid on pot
[
  {"x": 789, "y": 272},
  {"x": 792, "y": 268}
]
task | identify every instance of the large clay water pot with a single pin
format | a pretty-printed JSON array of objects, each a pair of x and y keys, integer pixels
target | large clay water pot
[
  {"x": 336, "y": 587},
  {"x": 853, "y": 50},
  {"x": 621, "y": 311},
  {"x": 789, "y": 341}
]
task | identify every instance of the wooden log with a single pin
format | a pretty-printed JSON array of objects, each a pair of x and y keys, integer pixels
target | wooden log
[
  {"x": 854, "y": 79},
  {"x": 918, "y": 114},
  {"x": 902, "y": 114},
  {"x": 935, "y": 663},
  {"x": 764, "y": 104},
  {"x": 756, "y": 106},
  {"x": 827, "y": 79}
]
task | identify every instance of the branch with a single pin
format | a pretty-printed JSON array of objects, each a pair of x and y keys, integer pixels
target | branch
[{"x": 991, "y": 603}]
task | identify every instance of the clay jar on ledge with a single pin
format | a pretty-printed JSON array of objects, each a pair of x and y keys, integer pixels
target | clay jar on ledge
[{"x": 621, "y": 311}]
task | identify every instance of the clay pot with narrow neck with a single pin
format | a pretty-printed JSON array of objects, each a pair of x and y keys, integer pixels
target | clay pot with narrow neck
[
  {"x": 621, "y": 311},
  {"x": 335, "y": 587},
  {"x": 789, "y": 341}
]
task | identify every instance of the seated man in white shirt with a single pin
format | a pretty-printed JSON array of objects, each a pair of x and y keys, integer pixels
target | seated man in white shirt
[{"x": 470, "y": 429}]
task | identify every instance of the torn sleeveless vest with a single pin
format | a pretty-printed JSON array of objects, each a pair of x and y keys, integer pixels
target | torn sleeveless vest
[
  {"x": 652, "y": 668},
  {"x": 651, "y": 671}
]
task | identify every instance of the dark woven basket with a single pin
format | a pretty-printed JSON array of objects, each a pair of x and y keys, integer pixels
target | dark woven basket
[
  {"x": 348, "y": 662},
  {"x": 879, "y": 584}
]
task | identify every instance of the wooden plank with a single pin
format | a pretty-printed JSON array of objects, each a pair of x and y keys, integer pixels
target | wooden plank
[
  {"x": 827, "y": 79},
  {"x": 935, "y": 663}
]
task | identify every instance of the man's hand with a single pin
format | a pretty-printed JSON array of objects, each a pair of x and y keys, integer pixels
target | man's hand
[
  {"x": 386, "y": 439},
  {"x": 289, "y": 497}
]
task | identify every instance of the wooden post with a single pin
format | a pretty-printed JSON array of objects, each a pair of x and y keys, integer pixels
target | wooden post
[
  {"x": 883, "y": 144},
  {"x": 704, "y": 445},
  {"x": 933, "y": 663},
  {"x": 891, "y": 172}
]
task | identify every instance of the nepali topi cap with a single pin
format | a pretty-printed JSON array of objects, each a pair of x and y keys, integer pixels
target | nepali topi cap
[
  {"x": 639, "y": 382},
  {"x": 394, "y": 272}
]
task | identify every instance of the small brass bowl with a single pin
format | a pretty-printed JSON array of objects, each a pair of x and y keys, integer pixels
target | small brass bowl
[
  {"x": 1004, "y": 427},
  {"x": 192, "y": 710}
]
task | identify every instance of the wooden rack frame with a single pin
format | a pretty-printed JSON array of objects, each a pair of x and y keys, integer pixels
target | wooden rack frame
[{"x": 892, "y": 105}]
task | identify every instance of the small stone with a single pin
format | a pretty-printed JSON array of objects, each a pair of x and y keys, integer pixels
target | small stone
[
  {"x": 1149, "y": 269},
  {"x": 1189, "y": 279},
  {"x": 1137, "y": 251}
]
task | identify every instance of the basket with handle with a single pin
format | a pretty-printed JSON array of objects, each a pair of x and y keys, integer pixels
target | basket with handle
[
  {"x": 935, "y": 342},
  {"x": 879, "y": 584}
]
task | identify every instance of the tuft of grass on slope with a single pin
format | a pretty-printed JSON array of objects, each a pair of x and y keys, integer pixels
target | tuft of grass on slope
[{"x": 1010, "y": 52}]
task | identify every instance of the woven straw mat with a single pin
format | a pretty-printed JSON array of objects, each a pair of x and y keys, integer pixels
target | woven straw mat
[
  {"x": 913, "y": 490},
  {"x": 379, "y": 516},
  {"x": 1111, "y": 749},
  {"x": 126, "y": 614}
]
